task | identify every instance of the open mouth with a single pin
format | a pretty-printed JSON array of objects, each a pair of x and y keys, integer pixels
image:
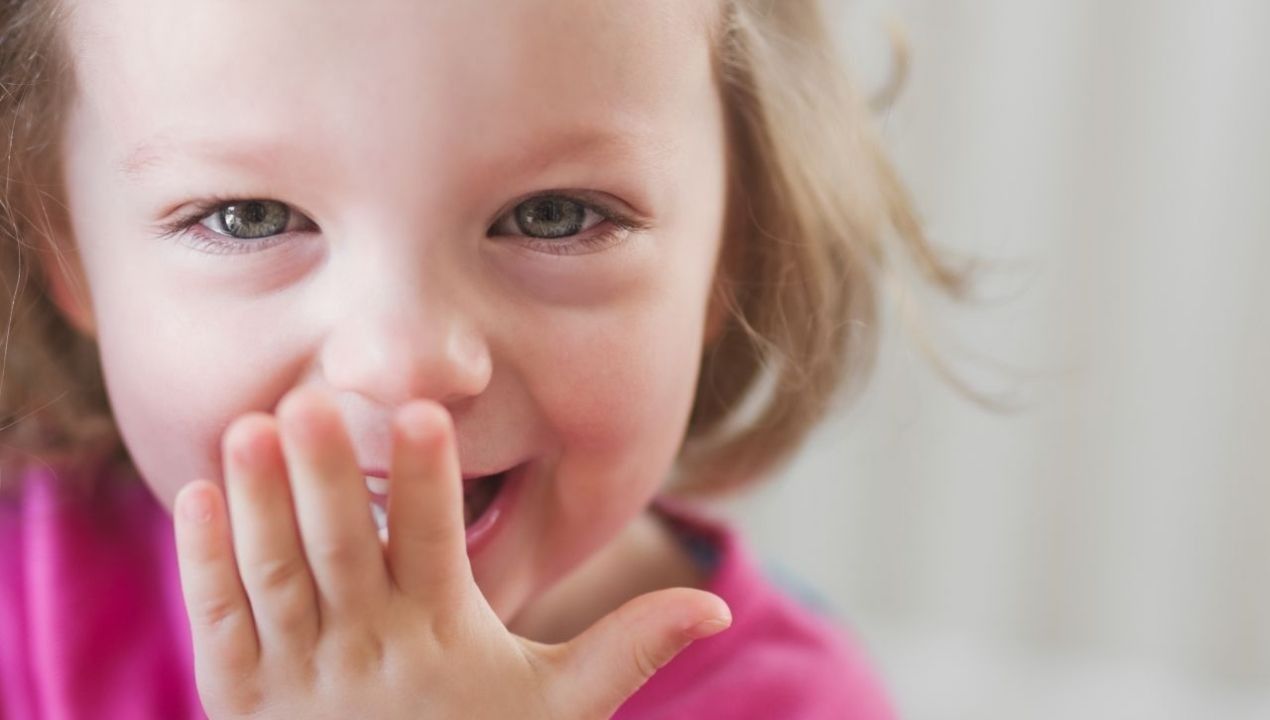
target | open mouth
[{"x": 479, "y": 494}]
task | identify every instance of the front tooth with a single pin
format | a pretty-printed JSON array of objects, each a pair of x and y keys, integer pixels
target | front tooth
[
  {"x": 378, "y": 486},
  {"x": 380, "y": 517}
]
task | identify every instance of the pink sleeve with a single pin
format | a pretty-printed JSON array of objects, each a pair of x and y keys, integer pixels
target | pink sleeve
[
  {"x": 778, "y": 660},
  {"x": 91, "y": 620},
  {"x": 773, "y": 678}
]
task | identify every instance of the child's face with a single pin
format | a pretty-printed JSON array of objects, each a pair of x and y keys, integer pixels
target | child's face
[{"x": 402, "y": 136}]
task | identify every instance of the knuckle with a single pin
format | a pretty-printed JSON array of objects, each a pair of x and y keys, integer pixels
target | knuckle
[
  {"x": 355, "y": 655},
  {"x": 278, "y": 574},
  {"x": 646, "y": 661},
  {"x": 219, "y": 613},
  {"x": 295, "y": 616},
  {"x": 336, "y": 553},
  {"x": 290, "y": 604}
]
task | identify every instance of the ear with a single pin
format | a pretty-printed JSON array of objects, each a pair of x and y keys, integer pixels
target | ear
[{"x": 67, "y": 284}]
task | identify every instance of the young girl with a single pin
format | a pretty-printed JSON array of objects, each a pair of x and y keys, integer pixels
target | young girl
[{"x": 417, "y": 325}]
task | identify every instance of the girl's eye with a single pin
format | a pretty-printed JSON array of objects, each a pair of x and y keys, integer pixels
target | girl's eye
[
  {"x": 558, "y": 224},
  {"x": 553, "y": 217},
  {"x": 550, "y": 223},
  {"x": 228, "y": 226},
  {"x": 250, "y": 219},
  {"x": 548, "y": 217}
]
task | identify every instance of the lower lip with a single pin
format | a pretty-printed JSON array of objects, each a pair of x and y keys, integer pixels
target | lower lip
[{"x": 495, "y": 516}]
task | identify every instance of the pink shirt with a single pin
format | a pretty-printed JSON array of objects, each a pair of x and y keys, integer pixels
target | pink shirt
[{"x": 93, "y": 624}]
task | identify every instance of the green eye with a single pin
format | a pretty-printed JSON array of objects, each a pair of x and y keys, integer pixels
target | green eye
[
  {"x": 252, "y": 219},
  {"x": 550, "y": 217}
]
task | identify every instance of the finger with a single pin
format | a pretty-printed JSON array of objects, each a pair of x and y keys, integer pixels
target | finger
[
  {"x": 332, "y": 508},
  {"x": 221, "y": 625},
  {"x": 605, "y": 665},
  {"x": 266, "y": 538},
  {"x": 427, "y": 544}
]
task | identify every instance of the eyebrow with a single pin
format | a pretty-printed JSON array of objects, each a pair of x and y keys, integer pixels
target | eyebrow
[
  {"x": 264, "y": 154},
  {"x": 150, "y": 154},
  {"x": 135, "y": 163}
]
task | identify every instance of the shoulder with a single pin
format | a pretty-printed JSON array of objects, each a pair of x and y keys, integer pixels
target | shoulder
[
  {"x": 784, "y": 662},
  {"x": 779, "y": 658},
  {"x": 29, "y": 495},
  {"x": 88, "y": 497},
  {"x": 70, "y": 533},
  {"x": 83, "y": 566},
  {"x": 54, "y": 519}
]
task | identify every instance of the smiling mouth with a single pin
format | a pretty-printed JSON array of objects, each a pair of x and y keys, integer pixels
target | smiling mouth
[{"x": 478, "y": 495}]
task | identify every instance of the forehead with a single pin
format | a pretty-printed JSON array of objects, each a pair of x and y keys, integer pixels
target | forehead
[{"x": 158, "y": 72}]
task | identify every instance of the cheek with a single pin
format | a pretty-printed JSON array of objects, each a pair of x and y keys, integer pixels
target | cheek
[
  {"x": 616, "y": 388},
  {"x": 617, "y": 383},
  {"x": 613, "y": 387},
  {"x": 174, "y": 390}
]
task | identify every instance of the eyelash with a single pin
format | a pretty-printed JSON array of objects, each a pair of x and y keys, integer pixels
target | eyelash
[{"x": 207, "y": 240}]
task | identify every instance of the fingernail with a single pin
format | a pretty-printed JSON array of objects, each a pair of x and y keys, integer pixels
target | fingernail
[
  {"x": 197, "y": 506},
  {"x": 709, "y": 627}
]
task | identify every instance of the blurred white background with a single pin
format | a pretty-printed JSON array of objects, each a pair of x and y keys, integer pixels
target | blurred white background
[{"x": 1103, "y": 552}]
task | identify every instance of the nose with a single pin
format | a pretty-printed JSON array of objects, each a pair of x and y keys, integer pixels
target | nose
[{"x": 399, "y": 342}]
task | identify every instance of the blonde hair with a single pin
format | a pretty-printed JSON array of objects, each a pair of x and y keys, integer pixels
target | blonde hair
[{"x": 814, "y": 207}]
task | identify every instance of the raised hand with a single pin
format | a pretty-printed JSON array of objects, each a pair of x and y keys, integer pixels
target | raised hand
[{"x": 298, "y": 610}]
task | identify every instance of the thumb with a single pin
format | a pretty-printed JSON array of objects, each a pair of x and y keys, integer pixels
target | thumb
[{"x": 608, "y": 662}]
